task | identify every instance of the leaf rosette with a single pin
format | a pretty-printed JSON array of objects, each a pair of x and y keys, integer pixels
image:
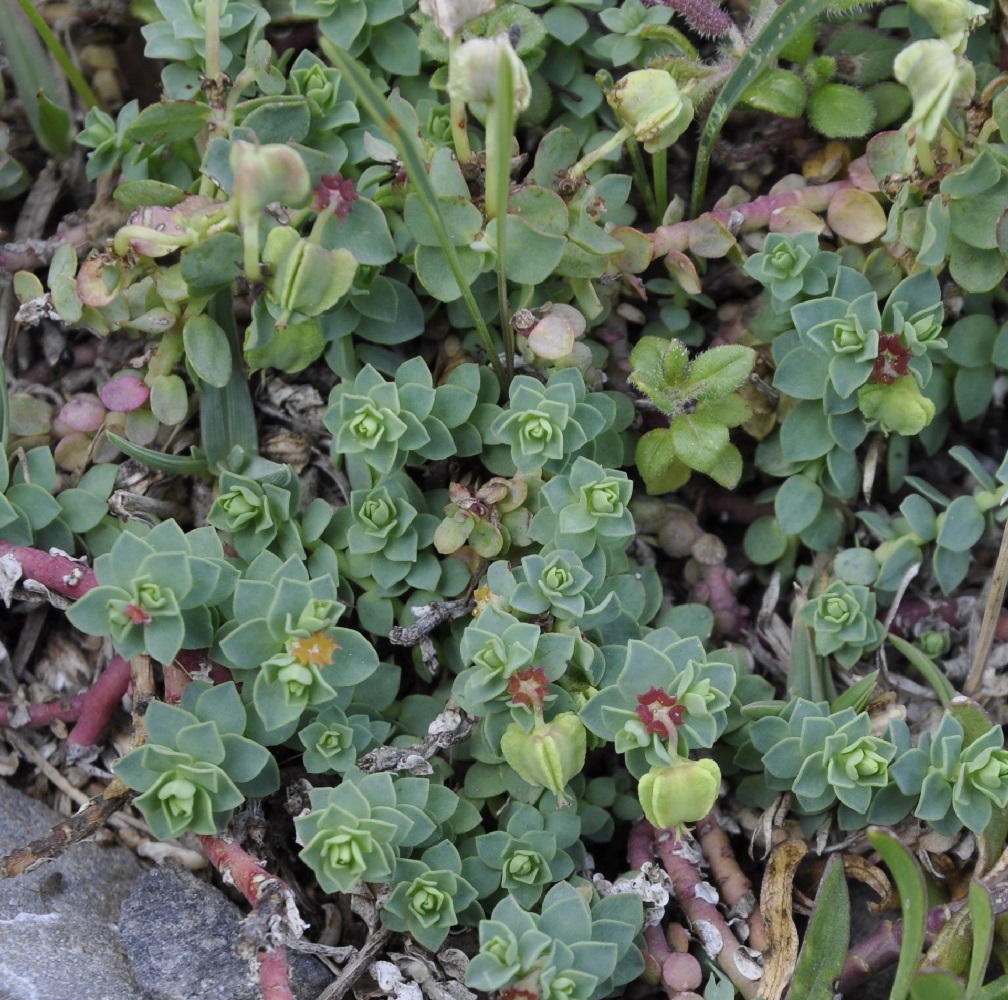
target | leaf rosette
[
  {"x": 156, "y": 593},
  {"x": 843, "y": 622},
  {"x": 667, "y": 698},
  {"x": 197, "y": 766}
]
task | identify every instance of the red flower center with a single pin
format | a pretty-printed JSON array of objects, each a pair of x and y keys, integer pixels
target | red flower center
[
  {"x": 334, "y": 190},
  {"x": 529, "y": 687},
  {"x": 892, "y": 361},
  {"x": 136, "y": 614},
  {"x": 660, "y": 712}
]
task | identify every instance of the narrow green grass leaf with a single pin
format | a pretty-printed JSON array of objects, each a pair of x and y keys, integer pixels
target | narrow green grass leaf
[
  {"x": 786, "y": 21},
  {"x": 981, "y": 911},
  {"x": 178, "y": 465},
  {"x": 824, "y": 950},
  {"x": 913, "y": 902},
  {"x": 227, "y": 414},
  {"x": 926, "y": 667}
]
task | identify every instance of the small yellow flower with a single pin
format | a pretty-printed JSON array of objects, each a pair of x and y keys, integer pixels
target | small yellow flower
[{"x": 317, "y": 649}]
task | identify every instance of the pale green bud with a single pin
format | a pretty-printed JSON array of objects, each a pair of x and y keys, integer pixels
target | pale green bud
[
  {"x": 450, "y": 16},
  {"x": 899, "y": 408},
  {"x": 649, "y": 102},
  {"x": 472, "y": 72},
  {"x": 678, "y": 794},
  {"x": 936, "y": 78},
  {"x": 307, "y": 278},
  {"x": 550, "y": 755},
  {"x": 951, "y": 20},
  {"x": 265, "y": 174}
]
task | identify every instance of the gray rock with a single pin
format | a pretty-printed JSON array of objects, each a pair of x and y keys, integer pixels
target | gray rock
[
  {"x": 180, "y": 935},
  {"x": 58, "y": 923},
  {"x": 92, "y": 925}
]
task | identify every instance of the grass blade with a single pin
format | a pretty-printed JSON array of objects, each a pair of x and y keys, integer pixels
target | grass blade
[
  {"x": 913, "y": 903},
  {"x": 824, "y": 949}
]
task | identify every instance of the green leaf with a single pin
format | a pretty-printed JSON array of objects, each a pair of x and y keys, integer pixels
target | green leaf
[
  {"x": 54, "y": 128},
  {"x": 178, "y": 465},
  {"x": 207, "y": 350},
  {"x": 658, "y": 462},
  {"x": 227, "y": 416},
  {"x": 840, "y": 111},
  {"x": 961, "y": 525},
  {"x": 779, "y": 92},
  {"x": 797, "y": 503},
  {"x": 169, "y": 400},
  {"x": 936, "y": 984},
  {"x": 824, "y": 950},
  {"x": 140, "y": 193},
  {"x": 981, "y": 913},
  {"x": 169, "y": 122},
  {"x": 720, "y": 371},
  {"x": 697, "y": 442},
  {"x": 913, "y": 904}
]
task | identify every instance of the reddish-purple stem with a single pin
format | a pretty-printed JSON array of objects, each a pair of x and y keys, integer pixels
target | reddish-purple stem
[
  {"x": 679, "y": 858},
  {"x": 882, "y": 948},
  {"x": 57, "y": 573},
  {"x": 750, "y": 215},
  {"x": 257, "y": 885},
  {"x": 41, "y": 714},
  {"x": 99, "y": 702}
]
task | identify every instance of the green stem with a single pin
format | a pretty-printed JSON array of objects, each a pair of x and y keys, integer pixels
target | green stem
[
  {"x": 643, "y": 183},
  {"x": 499, "y": 131},
  {"x": 60, "y": 54},
  {"x": 925, "y": 158},
  {"x": 459, "y": 119},
  {"x": 213, "y": 48},
  {"x": 590, "y": 159},
  {"x": 659, "y": 165}
]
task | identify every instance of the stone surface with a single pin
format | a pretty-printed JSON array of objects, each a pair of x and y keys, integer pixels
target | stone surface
[
  {"x": 180, "y": 933},
  {"x": 92, "y": 925},
  {"x": 58, "y": 924}
]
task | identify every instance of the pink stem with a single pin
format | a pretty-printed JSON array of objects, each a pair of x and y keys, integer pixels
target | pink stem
[
  {"x": 43, "y": 713},
  {"x": 751, "y": 215},
  {"x": 274, "y": 974},
  {"x": 99, "y": 702},
  {"x": 680, "y": 858},
  {"x": 257, "y": 885},
  {"x": 60, "y": 574}
]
